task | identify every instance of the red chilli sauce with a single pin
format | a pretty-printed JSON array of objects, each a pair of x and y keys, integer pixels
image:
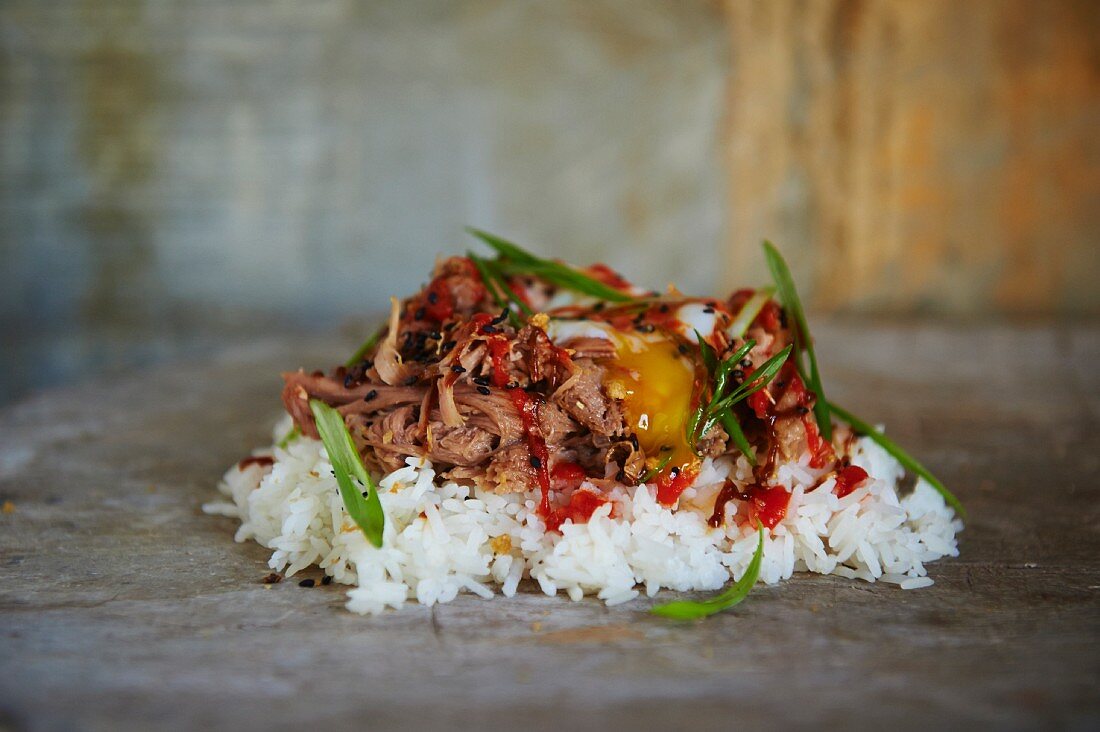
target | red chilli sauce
[
  {"x": 848, "y": 479},
  {"x": 767, "y": 504},
  {"x": 674, "y": 482},
  {"x": 582, "y": 503}
]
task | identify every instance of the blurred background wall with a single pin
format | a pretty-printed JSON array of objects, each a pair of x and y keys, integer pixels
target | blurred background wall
[{"x": 177, "y": 175}]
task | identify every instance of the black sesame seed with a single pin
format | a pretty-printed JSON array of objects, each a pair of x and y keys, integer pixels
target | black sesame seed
[
  {"x": 458, "y": 369},
  {"x": 488, "y": 329},
  {"x": 348, "y": 381},
  {"x": 433, "y": 297},
  {"x": 682, "y": 348},
  {"x": 664, "y": 308},
  {"x": 420, "y": 313},
  {"x": 483, "y": 390},
  {"x": 737, "y": 374},
  {"x": 306, "y": 583},
  {"x": 746, "y": 363},
  {"x": 647, "y": 328},
  {"x": 535, "y": 462},
  {"x": 370, "y": 395},
  {"x": 674, "y": 472},
  {"x": 326, "y": 580},
  {"x": 434, "y": 335},
  {"x": 801, "y": 409},
  {"x": 481, "y": 380},
  {"x": 448, "y": 345},
  {"x": 500, "y": 318},
  {"x": 708, "y": 310},
  {"x": 598, "y": 307}
]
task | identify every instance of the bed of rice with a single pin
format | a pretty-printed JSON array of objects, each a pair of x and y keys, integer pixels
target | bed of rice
[{"x": 442, "y": 538}]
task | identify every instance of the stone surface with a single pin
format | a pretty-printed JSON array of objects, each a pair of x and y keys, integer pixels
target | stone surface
[{"x": 122, "y": 607}]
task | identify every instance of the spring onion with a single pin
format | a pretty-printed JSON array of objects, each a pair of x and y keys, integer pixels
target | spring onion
[
  {"x": 757, "y": 381},
  {"x": 737, "y": 435},
  {"x": 788, "y": 296},
  {"x": 738, "y": 591},
  {"x": 520, "y": 261},
  {"x": 710, "y": 413},
  {"x": 908, "y": 461},
  {"x": 749, "y": 311},
  {"x": 363, "y": 506},
  {"x": 499, "y": 289},
  {"x": 710, "y": 358}
]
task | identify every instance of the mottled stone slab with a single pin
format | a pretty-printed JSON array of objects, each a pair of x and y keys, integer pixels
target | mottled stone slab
[{"x": 123, "y": 607}]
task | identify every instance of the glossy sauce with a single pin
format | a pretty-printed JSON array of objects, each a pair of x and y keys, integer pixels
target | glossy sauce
[
  {"x": 567, "y": 474},
  {"x": 439, "y": 304},
  {"x": 608, "y": 276},
  {"x": 582, "y": 504},
  {"x": 767, "y": 504},
  {"x": 848, "y": 479},
  {"x": 262, "y": 460},
  {"x": 672, "y": 482},
  {"x": 528, "y": 407}
]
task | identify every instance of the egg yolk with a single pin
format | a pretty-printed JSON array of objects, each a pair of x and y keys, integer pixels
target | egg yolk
[{"x": 655, "y": 382}]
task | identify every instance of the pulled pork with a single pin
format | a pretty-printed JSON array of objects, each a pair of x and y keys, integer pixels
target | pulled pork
[
  {"x": 453, "y": 380},
  {"x": 438, "y": 386}
]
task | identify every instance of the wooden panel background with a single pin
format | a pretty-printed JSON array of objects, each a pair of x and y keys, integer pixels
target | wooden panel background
[{"x": 932, "y": 156}]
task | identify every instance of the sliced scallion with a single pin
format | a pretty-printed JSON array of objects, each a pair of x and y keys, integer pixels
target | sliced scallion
[
  {"x": 756, "y": 381},
  {"x": 749, "y": 311},
  {"x": 737, "y": 435},
  {"x": 788, "y": 296},
  {"x": 351, "y": 476},
  {"x": 521, "y": 261},
  {"x": 738, "y": 591},
  {"x": 710, "y": 358},
  {"x": 499, "y": 289}
]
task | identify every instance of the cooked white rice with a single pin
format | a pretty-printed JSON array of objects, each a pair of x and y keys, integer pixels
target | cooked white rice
[{"x": 442, "y": 538}]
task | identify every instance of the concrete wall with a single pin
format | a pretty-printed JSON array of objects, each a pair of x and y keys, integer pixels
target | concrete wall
[
  {"x": 173, "y": 173},
  {"x": 316, "y": 156}
]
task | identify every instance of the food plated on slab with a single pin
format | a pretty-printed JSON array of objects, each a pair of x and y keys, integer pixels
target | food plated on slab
[{"x": 520, "y": 418}]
